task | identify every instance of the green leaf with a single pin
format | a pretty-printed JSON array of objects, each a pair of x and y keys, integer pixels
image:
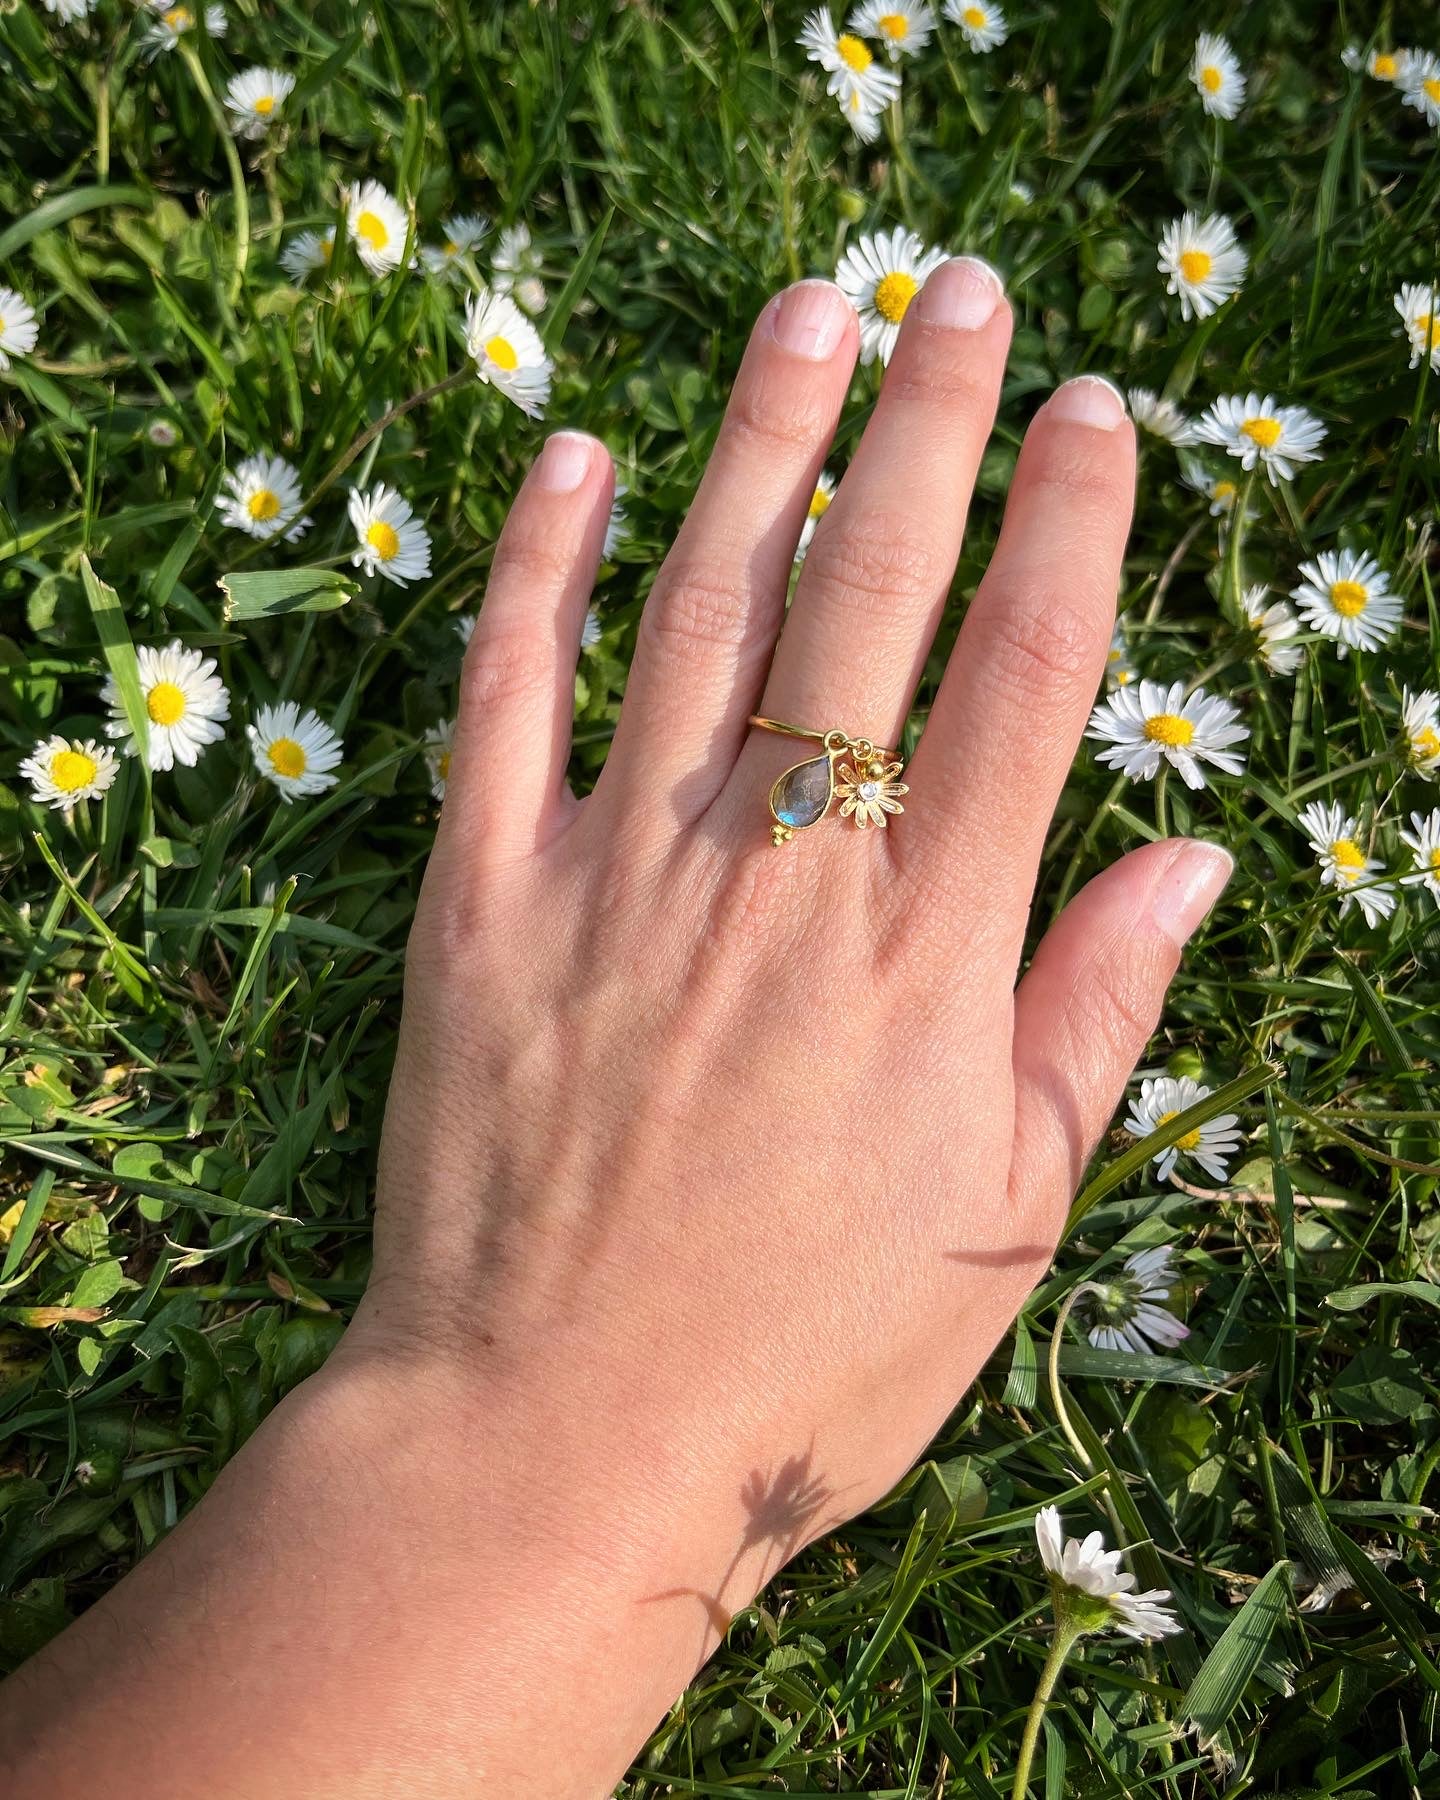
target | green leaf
[
  {"x": 1226, "y": 1672},
  {"x": 1379, "y": 1386},
  {"x": 1351, "y": 1299},
  {"x": 269, "y": 593},
  {"x": 60, "y": 207},
  {"x": 1382, "y": 1026},
  {"x": 119, "y": 652}
]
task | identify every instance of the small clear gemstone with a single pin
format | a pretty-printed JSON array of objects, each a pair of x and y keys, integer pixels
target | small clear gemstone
[
  {"x": 869, "y": 790},
  {"x": 801, "y": 795}
]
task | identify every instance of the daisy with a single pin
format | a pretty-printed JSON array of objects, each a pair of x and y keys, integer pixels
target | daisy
[
  {"x": 69, "y": 11},
  {"x": 1148, "y": 725},
  {"x": 1424, "y": 840},
  {"x": 1274, "y": 626},
  {"x": 163, "y": 433},
  {"x": 462, "y": 234},
  {"x": 860, "y": 118},
  {"x": 18, "y": 330},
  {"x": 1219, "y": 490},
  {"x": 904, "y": 27},
  {"x": 307, "y": 252},
  {"x": 870, "y": 790},
  {"x": 1203, "y": 262},
  {"x": 1420, "y": 84},
  {"x": 1090, "y": 1592},
  {"x": 880, "y": 276},
  {"x": 262, "y": 497},
  {"x": 1256, "y": 428},
  {"x": 377, "y": 227},
  {"x": 1215, "y": 71},
  {"x": 1383, "y": 65},
  {"x": 1161, "y": 418},
  {"x": 617, "y": 528},
  {"x": 392, "y": 541},
  {"x": 1420, "y": 314},
  {"x": 295, "y": 750},
  {"x": 815, "y": 512},
  {"x": 982, "y": 25},
  {"x": 1346, "y": 595},
  {"x": 185, "y": 699},
  {"x": 1334, "y": 837},
  {"x": 439, "y": 748},
  {"x": 1123, "y": 1313},
  {"x": 1162, "y": 1097},
  {"x": 1420, "y": 726},
  {"x": 1119, "y": 670},
  {"x": 515, "y": 256},
  {"x": 170, "y": 24},
  {"x": 63, "y": 770},
  {"x": 507, "y": 350},
  {"x": 254, "y": 99},
  {"x": 591, "y": 631},
  {"x": 863, "y": 87}
]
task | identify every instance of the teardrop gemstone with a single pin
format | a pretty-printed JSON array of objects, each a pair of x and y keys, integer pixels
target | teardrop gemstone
[{"x": 801, "y": 794}]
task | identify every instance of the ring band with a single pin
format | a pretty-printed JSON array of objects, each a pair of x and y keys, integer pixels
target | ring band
[{"x": 865, "y": 785}]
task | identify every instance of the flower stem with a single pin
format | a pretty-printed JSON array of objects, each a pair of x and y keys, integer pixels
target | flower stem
[
  {"x": 232, "y": 158},
  {"x": 1064, "y": 1643}
]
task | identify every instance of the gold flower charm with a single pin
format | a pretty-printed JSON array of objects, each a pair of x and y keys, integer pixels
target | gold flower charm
[{"x": 870, "y": 791}]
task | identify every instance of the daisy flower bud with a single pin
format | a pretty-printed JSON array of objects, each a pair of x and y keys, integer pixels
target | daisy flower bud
[{"x": 1124, "y": 1313}]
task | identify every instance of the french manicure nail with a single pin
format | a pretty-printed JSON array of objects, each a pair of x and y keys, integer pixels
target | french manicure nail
[
  {"x": 1088, "y": 400},
  {"x": 810, "y": 319},
  {"x": 961, "y": 294},
  {"x": 1189, "y": 887},
  {"x": 564, "y": 462}
]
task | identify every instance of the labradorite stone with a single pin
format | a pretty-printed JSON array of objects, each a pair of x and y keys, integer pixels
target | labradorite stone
[{"x": 802, "y": 794}]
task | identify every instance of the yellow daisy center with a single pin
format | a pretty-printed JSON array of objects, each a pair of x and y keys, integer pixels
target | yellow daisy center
[
  {"x": 263, "y": 504},
  {"x": 372, "y": 229},
  {"x": 451, "y": 247},
  {"x": 853, "y": 53},
  {"x": 893, "y": 294},
  {"x": 1171, "y": 729},
  {"x": 1195, "y": 265},
  {"x": 1223, "y": 491},
  {"x": 1431, "y": 86},
  {"x": 165, "y": 703},
  {"x": 265, "y": 105},
  {"x": 1348, "y": 857},
  {"x": 1262, "y": 431},
  {"x": 1435, "y": 860},
  {"x": 383, "y": 539},
  {"x": 819, "y": 504},
  {"x": 287, "y": 758},
  {"x": 1420, "y": 325},
  {"x": 502, "y": 353},
  {"x": 327, "y": 248},
  {"x": 1425, "y": 743},
  {"x": 1348, "y": 598},
  {"x": 1385, "y": 68},
  {"x": 1191, "y": 1139},
  {"x": 71, "y": 770},
  {"x": 975, "y": 17},
  {"x": 894, "y": 25},
  {"x": 2, "y": 324},
  {"x": 1211, "y": 79},
  {"x": 442, "y": 766},
  {"x": 179, "y": 18}
]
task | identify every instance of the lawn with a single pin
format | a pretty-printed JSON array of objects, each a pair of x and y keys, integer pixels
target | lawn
[{"x": 202, "y": 964}]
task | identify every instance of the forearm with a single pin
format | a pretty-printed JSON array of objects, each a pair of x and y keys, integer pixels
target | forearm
[{"x": 379, "y": 1597}]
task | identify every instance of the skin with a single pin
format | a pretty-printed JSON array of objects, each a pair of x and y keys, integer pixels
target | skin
[{"x": 712, "y": 1171}]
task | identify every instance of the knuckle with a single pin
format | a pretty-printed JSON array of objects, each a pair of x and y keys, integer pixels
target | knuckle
[
  {"x": 765, "y": 416},
  {"x": 941, "y": 378},
  {"x": 693, "y": 607},
  {"x": 1024, "y": 643},
  {"x": 869, "y": 562},
  {"x": 503, "y": 663},
  {"x": 529, "y": 561},
  {"x": 1074, "y": 471},
  {"x": 1119, "y": 1004}
]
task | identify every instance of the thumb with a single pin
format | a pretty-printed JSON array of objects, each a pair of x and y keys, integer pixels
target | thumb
[{"x": 1089, "y": 1002}]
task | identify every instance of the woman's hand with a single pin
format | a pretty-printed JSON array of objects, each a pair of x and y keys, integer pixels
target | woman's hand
[{"x": 712, "y": 1170}]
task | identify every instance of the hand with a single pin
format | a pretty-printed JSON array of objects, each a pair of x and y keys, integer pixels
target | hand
[
  {"x": 697, "y": 1147},
  {"x": 712, "y": 1170}
]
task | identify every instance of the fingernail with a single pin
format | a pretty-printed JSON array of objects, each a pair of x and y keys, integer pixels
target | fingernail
[
  {"x": 1088, "y": 400},
  {"x": 810, "y": 319},
  {"x": 564, "y": 462},
  {"x": 1189, "y": 887},
  {"x": 961, "y": 294}
]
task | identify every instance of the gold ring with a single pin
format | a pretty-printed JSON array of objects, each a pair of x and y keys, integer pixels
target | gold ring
[{"x": 861, "y": 775}]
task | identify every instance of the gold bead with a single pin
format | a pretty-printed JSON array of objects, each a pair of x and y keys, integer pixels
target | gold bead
[{"x": 875, "y": 769}]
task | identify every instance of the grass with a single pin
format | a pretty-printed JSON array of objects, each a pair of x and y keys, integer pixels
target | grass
[{"x": 202, "y": 985}]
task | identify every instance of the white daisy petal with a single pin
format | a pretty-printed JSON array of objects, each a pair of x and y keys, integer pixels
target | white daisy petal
[
  {"x": 168, "y": 24},
  {"x": 1420, "y": 729},
  {"x": 1088, "y": 1568},
  {"x": 1423, "y": 839},
  {"x": 293, "y": 749},
  {"x": 306, "y": 252},
  {"x": 1419, "y": 310},
  {"x": 439, "y": 748},
  {"x": 1419, "y": 82},
  {"x": 462, "y": 234},
  {"x": 863, "y": 86},
  {"x": 1161, "y": 418},
  {"x": 1274, "y": 626}
]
